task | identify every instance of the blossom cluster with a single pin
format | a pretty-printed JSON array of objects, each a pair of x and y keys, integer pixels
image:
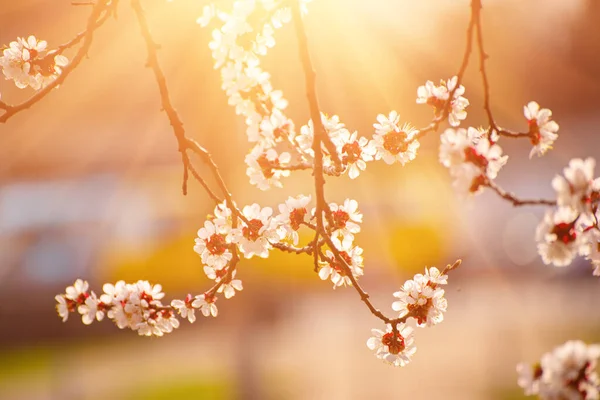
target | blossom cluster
[
  {"x": 134, "y": 306},
  {"x": 567, "y": 372},
  {"x": 245, "y": 34},
  {"x": 29, "y": 64},
  {"x": 473, "y": 156},
  {"x": 439, "y": 98},
  {"x": 258, "y": 229},
  {"x": 572, "y": 228},
  {"x": 421, "y": 299}
]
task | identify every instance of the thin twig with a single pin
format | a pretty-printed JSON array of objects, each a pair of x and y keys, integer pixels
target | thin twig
[
  {"x": 435, "y": 124},
  {"x": 322, "y": 207},
  {"x": 94, "y": 21},
  {"x": 320, "y": 133},
  {"x": 476, "y": 8},
  {"x": 476, "y": 13},
  {"x": 60, "y": 49},
  {"x": 308, "y": 249},
  {"x": 516, "y": 201},
  {"x": 514, "y": 135},
  {"x": 185, "y": 143}
]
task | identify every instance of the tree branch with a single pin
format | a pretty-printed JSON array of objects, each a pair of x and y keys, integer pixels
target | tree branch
[
  {"x": 98, "y": 16},
  {"x": 435, "y": 124},
  {"x": 516, "y": 201}
]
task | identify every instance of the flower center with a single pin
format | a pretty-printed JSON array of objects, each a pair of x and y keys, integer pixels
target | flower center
[
  {"x": 103, "y": 307},
  {"x": 82, "y": 298},
  {"x": 537, "y": 371},
  {"x": 477, "y": 182},
  {"x": 71, "y": 305},
  {"x": 340, "y": 218},
  {"x": 146, "y": 296},
  {"x": 565, "y": 232},
  {"x": 437, "y": 104},
  {"x": 216, "y": 244},
  {"x": 45, "y": 66},
  {"x": 591, "y": 198},
  {"x": 220, "y": 273},
  {"x": 282, "y": 131},
  {"x": 472, "y": 156},
  {"x": 395, "y": 142},
  {"x": 394, "y": 342},
  {"x": 338, "y": 266},
  {"x": 262, "y": 101},
  {"x": 209, "y": 298},
  {"x": 420, "y": 311},
  {"x": 297, "y": 217},
  {"x": 267, "y": 166},
  {"x": 353, "y": 152},
  {"x": 32, "y": 53},
  {"x": 534, "y": 132},
  {"x": 251, "y": 231}
]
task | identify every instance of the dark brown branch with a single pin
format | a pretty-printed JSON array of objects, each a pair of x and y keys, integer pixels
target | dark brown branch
[
  {"x": 60, "y": 49},
  {"x": 95, "y": 20},
  {"x": 186, "y": 143},
  {"x": 476, "y": 8},
  {"x": 476, "y": 13},
  {"x": 364, "y": 296},
  {"x": 183, "y": 141},
  {"x": 435, "y": 124},
  {"x": 320, "y": 134},
  {"x": 319, "y": 137},
  {"x": 198, "y": 177},
  {"x": 514, "y": 135},
  {"x": 516, "y": 201},
  {"x": 296, "y": 250}
]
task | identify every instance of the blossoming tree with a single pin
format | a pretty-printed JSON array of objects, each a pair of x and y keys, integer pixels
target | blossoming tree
[{"x": 242, "y": 34}]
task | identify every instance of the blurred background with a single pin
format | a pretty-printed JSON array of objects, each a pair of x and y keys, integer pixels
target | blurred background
[{"x": 90, "y": 187}]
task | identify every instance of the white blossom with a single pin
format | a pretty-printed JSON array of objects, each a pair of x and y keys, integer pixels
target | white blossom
[
  {"x": 594, "y": 247},
  {"x": 208, "y": 13},
  {"x": 559, "y": 239},
  {"x": 212, "y": 244},
  {"x": 577, "y": 189},
  {"x": 437, "y": 97},
  {"x": 542, "y": 129},
  {"x": 230, "y": 285},
  {"x": 394, "y": 347},
  {"x": 331, "y": 268},
  {"x": 27, "y": 63},
  {"x": 255, "y": 237},
  {"x": 185, "y": 308},
  {"x": 346, "y": 220},
  {"x": 264, "y": 167},
  {"x": 354, "y": 152},
  {"x": 64, "y": 306},
  {"x": 334, "y": 129},
  {"x": 472, "y": 159},
  {"x": 567, "y": 372},
  {"x": 423, "y": 299},
  {"x": 293, "y": 213},
  {"x": 392, "y": 142},
  {"x": 206, "y": 304},
  {"x": 92, "y": 309}
]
